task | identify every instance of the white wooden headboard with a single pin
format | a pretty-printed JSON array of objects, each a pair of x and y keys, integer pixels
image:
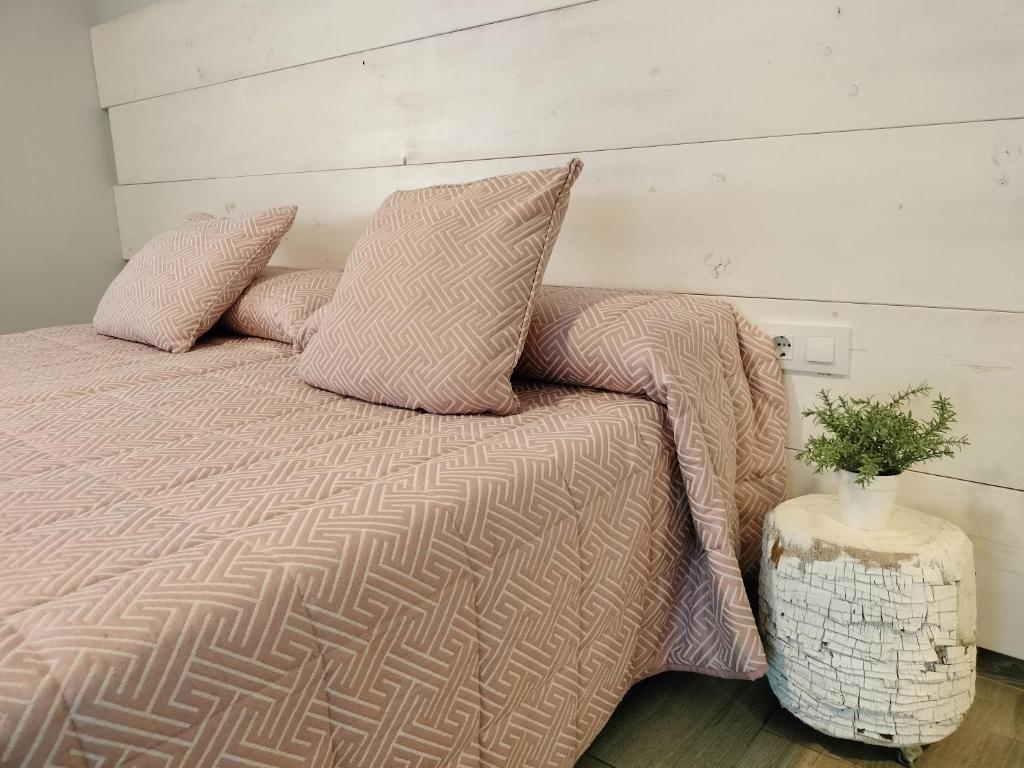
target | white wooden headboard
[{"x": 855, "y": 162}]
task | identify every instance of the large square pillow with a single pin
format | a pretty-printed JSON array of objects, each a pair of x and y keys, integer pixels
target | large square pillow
[
  {"x": 180, "y": 283},
  {"x": 434, "y": 305}
]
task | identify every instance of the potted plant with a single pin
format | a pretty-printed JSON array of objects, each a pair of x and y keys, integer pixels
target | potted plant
[{"x": 871, "y": 442}]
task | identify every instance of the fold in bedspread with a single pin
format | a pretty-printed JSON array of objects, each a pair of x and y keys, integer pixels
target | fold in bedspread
[
  {"x": 206, "y": 562},
  {"x": 720, "y": 382}
]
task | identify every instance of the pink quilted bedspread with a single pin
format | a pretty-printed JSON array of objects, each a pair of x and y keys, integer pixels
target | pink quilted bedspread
[{"x": 204, "y": 561}]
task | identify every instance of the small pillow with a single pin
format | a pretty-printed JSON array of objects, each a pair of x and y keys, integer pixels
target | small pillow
[
  {"x": 279, "y": 301},
  {"x": 181, "y": 282},
  {"x": 433, "y": 308},
  {"x": 308, "y": 330}
]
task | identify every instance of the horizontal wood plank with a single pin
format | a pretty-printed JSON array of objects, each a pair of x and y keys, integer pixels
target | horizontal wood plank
[
  {"x": 606, "y": 74},
  {"x": 994, "y": 520},
  {"x": 177, "y": 45},
  {"x": 914, "y": 216},
  {"x": 664, "y": 212},
  {"x": 972, "y": 357}
]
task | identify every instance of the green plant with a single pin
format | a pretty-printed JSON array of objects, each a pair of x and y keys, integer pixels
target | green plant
[{"x": 874, "y": 437}]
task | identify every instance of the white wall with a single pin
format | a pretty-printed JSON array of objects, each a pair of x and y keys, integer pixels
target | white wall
[
  {"x": 60, "y": 244},
  {"x": 856, "y": 163}
]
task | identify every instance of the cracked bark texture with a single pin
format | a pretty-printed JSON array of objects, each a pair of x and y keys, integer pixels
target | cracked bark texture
[{"x": 870, "y": 635}]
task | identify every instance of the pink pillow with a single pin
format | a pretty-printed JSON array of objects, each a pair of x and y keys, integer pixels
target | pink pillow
[
  {"x": 279, "y": 301},
  {"x": 181, "y": 282},
  {"x": 434, "y": 305}
]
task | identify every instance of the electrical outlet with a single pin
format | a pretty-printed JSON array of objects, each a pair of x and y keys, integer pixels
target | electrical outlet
[
  {"x": 818, "y": 349},
  {"x": 783, "y": 347}
]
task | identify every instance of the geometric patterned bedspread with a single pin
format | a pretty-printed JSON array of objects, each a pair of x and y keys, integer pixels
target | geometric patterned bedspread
[{"x": 206, "y": 562}]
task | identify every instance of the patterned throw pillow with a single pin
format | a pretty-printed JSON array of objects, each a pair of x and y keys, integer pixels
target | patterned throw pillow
[
  {"x": 279, "y": 301},
  {"x": 181, "y": 282},
  {"x": 434, "y": 305}
]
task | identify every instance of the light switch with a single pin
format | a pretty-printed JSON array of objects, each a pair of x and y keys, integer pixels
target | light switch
[{"x": 821, "y": 349}]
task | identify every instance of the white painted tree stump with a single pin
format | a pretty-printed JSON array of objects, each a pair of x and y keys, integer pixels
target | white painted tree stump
[{"x": 870, "y": 635}]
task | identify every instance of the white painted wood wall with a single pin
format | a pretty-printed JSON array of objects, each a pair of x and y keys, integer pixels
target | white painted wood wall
[{"x": 858, "y": 162}]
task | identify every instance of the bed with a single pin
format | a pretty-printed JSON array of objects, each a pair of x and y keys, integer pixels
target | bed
[{"x": 205, "y": 561}]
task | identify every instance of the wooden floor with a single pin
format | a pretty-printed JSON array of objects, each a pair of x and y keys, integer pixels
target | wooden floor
[{"x": 678, "y": 720}]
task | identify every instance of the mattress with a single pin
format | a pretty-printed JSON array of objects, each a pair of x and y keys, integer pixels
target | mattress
[{"x": 205, "y": 561}]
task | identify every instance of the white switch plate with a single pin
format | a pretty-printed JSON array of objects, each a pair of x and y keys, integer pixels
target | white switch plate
[
  {"x": 797, "y": 361},
  {"x": 820, "y": 349}
]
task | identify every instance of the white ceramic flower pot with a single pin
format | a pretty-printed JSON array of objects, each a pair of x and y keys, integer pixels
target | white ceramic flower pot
[{"x": 867, "y": 509}]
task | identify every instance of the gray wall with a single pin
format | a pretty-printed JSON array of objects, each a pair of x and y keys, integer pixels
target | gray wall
[
  {"x": 59, "y": 249},
  {"x": 111, "y": 9}
]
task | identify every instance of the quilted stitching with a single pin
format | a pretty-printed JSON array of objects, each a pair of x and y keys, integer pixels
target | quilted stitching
[{"x": 205, "y": 559}]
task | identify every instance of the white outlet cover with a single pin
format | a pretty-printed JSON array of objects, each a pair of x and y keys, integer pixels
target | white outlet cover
[{"x": 798, "y": 362}]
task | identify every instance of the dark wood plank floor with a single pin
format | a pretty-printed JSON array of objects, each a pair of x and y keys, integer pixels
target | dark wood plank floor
[{"x": 679, "y": 720}]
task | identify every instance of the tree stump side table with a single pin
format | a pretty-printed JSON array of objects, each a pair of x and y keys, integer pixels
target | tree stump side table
[{"x": 870, "y": 635}]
